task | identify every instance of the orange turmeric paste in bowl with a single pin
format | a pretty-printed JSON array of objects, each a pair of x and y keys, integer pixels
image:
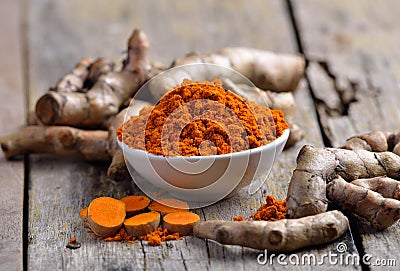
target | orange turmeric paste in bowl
[{"x": 201, "y": 119}]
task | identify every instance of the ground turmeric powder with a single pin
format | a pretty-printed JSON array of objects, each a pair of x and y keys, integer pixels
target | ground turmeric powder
[
  {"x": 202, "y": 118},
  {"x": 272, "y": 210},
  {"x": 122, "y": 235},
  {"x": 156, "y": 237}
]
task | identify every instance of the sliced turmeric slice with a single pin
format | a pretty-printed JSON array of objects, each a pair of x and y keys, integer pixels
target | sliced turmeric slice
[
  {"x": 142, "y": 224},
  {"x": 83, "y": 215},
  {"x": 135, "y": 204},
  {"x": 181, "y": 222},
  {"x": 168, "y": 205},
  {"x": 105, "y": 216}
]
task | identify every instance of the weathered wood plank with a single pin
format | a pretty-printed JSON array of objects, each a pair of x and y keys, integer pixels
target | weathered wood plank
[
  {"x": 62, "y": 32},
  {"x": 67, "y": 30},
  {"x": 353, "y": 49},
  {"x": 12, "y": 116}
]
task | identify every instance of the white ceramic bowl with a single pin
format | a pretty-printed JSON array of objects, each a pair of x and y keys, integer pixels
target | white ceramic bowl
[{"x": 204, "y": 179}]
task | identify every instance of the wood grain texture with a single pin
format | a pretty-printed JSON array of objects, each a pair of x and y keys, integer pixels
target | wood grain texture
[
  {"x": 67, "y": 30},
  {"x": 61, "y": 32},
  {"x": 12, "y": 116},
  {"x": 354, "y": 74}
]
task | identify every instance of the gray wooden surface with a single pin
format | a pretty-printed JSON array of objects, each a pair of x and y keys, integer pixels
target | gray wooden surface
[
  {"x": 353, "y": 75},
  {"x": 11, "y": 118},
  {"x": 356, "y": 55}
]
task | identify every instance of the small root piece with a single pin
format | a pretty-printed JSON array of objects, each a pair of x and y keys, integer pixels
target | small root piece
[
  {"x": 142, "y": 224},
  {"x": 135, "y": 204},
  {"x": 59, "y": 140},
  {"x": 375, "y": 141},
  {"x": 117, "y": 169},
  {"x": 276, "y": 236},
  {"x": 105, "y": 216},
  {"x": 181, "y": 222},
  {"x": 377, "y": 210},
  {"x": 387, "y": 187}
]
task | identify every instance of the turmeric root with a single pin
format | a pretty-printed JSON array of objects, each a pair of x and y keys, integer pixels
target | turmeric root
[
  {"x": 283, "y": 100},
  {"x": 156, "y": 237},
  {"x": 92, "y": 94},
  {"x": 379, "y": 211},
  {"x": 267, "y": 70},
  {"x": 276, "y": 236},
  {"x": 376, "y": 141},
  {"x": 316, "y": 166},
  {"x": 181, "y": 222},
  {"x": 168, "y": 205},
  {"x": 117, "y": 169},
  {"x": 307, "y": 188},
  {"x": 74, "y": 80},
  {"x": 105, "y": 216},
  {"x": 135, "y": 204},
  {"x": 59, "y": 140},
  {"x": 142, "y": 224},
  {"x": 272, "y": 210},
  {"x": 99, "y": 67},
  {"x": 103, "y": 99},
  {"x": 387, "y": 187}
]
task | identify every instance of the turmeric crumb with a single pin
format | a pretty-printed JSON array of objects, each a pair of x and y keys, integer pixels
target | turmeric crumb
[
  {"x": 156, "y": 237},
  {"x": 238, "y": 218},
  {"x": 272, "y": 210},
  {"x": 120, "y": 236},
  {"x": 154, "y": 240}
]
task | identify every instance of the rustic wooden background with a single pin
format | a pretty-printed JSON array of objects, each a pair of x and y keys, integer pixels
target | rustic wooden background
[{"x": 351, "y": 86}]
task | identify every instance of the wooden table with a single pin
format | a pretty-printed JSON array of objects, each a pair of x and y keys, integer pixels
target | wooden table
[{"x": 351, "y": 86}]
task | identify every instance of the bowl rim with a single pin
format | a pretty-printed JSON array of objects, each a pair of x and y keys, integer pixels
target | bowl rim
[{"x": 280, "y": 140}]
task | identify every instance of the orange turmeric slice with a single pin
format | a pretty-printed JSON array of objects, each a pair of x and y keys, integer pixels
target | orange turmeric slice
[
  {"x": 168, "y": 205},
  {"x": 181, "y": 222},
  {"x": 135, "y": 204},
  {"x": 83, "y": 215},
  {"x": 105, "y": 216},
  {"x": 142, "y": 224}
]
